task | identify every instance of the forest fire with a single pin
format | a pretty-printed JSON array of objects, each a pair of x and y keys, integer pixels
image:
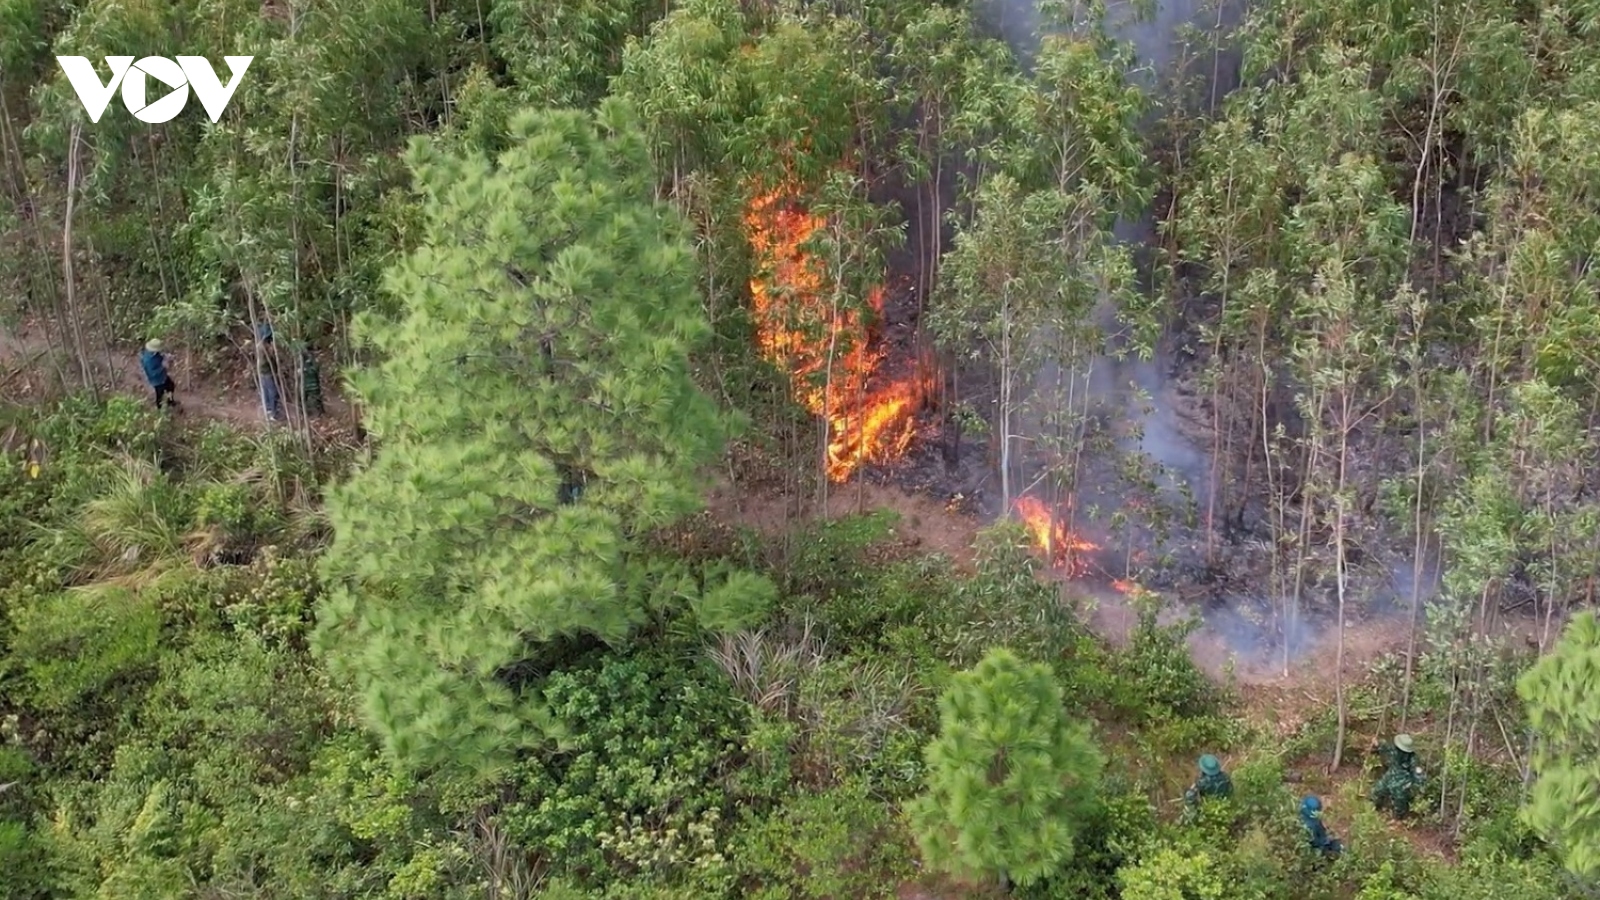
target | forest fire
[
  {"x": 1061, "y": 547},
  {"x": 824, "y": 347}
]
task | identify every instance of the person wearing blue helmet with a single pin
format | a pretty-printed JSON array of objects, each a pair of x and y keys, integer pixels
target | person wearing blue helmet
[{"x": 1316, "y": 832}]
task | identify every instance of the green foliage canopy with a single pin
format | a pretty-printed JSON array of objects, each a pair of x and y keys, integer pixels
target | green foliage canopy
[
  {"x": 1564, "y": 710},
  {"x": 1008, "y": 776},
  {"x": 549, "y": 317}
]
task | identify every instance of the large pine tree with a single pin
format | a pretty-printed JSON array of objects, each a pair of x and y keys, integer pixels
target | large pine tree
[
  {"x": 533, "y": 410},
  {"x": 1564, "y": 806}
]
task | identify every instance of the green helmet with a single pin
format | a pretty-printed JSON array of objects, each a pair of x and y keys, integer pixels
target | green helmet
[
  {"x": 1403, "y": 742},
  {"x": 1210, "y": 765}
]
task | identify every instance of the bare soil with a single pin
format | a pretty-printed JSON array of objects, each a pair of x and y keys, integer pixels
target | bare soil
[{"x": 30, "y": 373}]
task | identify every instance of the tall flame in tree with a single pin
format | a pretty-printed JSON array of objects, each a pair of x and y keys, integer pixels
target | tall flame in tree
[
  {"x": 824, "y": 348},
  {"x": 1062, "y": 549}
]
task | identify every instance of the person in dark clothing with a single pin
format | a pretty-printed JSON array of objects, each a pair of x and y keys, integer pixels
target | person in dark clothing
[
  {"x": 154, "y": 364},
  {"x": 572, "y": 484},
  {"x": 310, "y": 383},
  {"x": 271, "y": 400},
  {"x": 271, "y": 397},
  {"x": 1317, "y": 833},
  {"x": 1213, "y": 782}
]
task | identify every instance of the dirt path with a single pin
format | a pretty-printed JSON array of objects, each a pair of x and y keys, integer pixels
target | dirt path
[{"x": 230, "y": 396}]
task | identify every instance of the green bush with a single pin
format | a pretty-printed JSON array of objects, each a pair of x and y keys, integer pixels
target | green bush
[
  {"x": 24, "y": 863},
  {"x": 1157, "y": 663},
  {"x": 275, "y": 599},
  {"x": 73, "y": 645},
  {"x": 1114, "y": 831},
  {"x": 866, "y": 717},
  {"x": 828, "y": 560},
  {"x": 1169, "y": 874},
  {"x": 838, "y": 843},
  {"x": 636, "y": 789}
]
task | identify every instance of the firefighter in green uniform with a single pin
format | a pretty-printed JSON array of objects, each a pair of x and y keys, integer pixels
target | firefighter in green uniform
[
  {"x": 310, "y": 382},
  {"x": 1213, "y": 782},
  {"x": 1401, "y": 778}
]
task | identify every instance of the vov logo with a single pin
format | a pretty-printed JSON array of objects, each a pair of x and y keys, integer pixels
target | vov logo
[{"x": 187, "y": 72}]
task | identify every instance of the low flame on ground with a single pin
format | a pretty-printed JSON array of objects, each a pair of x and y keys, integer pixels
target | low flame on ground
[
  {"x": 1062, "y": 549},
  {"x": 798, "y": 329}
]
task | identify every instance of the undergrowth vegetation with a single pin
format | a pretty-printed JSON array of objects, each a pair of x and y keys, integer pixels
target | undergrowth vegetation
[
  {"x": 467, "y": 630},
  {"x": 165, "y": 726}
]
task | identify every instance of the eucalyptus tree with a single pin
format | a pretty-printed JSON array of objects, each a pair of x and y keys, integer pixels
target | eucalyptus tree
[
  {"x": 1052, "y": 160},
  {"x": 1002, "y": 285},
  {"x": 294, "y": 173},
  {"x": 1228, "y": 205},
  {"x": 534, "y": 412},
  {"x": 83, "y": 183},
  {"x": 1346, "y": 243},
  {"x": 684, "y": 77},
  {"x": 26, "y": 28},
  {"x": 563, "y": 54},
  {"x": 1082, "y": 120},
  {"x": 929, "y": 55}
]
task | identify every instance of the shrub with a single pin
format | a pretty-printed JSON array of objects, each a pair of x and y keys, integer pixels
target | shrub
[
  {"x": 635, "y": 790},
  {"x": 1158, "y": 664},
  {"x": 1168, "y": 874},
  {"x": 857, "y": 718},
  {"x": 73, "y": 645},
  {"x": 839, "y": 843}
]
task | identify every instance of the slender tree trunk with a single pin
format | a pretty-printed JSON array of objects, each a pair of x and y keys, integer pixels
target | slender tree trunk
[
  {"x": 1006, "y": 377},
  {"x": 48, "y": 313},
  {"x": 1419, "y": 545},
  {"x": 1341, "y": 579},
  {"x": 73, "y": 313},
  {"x": 827, "y": 392},
  {"x": 1302, "y": 543}
]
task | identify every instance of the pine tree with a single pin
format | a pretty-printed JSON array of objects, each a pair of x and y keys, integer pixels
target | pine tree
[
  {"x": 533, "y": 409},
  {"x": 1008, "y": 776},
  {"x": 1565, "y": 712}
]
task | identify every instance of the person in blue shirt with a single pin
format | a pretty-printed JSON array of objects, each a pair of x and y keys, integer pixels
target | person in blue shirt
[
  {"x": 271, "y": 399},
  {"x": 154, "y": 364}
]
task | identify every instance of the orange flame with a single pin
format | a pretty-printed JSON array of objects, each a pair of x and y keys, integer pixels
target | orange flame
[
  {"x": 1062, "y": 548},
  {"x": 822, "y": 346}
]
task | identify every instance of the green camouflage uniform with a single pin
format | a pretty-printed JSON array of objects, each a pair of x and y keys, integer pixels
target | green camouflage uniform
[
  {"x": 1213, "y": 783},
  {"x": 1401, "y": 779},
  {"x": 311, "y": 382}
]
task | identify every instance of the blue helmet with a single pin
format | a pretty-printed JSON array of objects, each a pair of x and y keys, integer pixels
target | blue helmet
[
  {"x": 1210, "y": 765},
  {"x": 1311, "y": 806}
]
